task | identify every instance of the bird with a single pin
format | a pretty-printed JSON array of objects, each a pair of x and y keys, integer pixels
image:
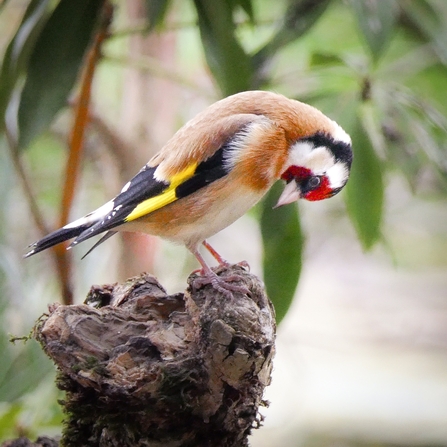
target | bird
[{"x": 218, "y": 166}]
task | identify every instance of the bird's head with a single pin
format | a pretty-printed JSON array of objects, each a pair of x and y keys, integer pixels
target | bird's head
[{"x": 317, "y": 167}]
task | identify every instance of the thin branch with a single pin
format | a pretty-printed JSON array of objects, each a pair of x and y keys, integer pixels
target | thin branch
[
  {"x": 76, "y": 144},
  {"x": 118, "y": 147},
  {"x": 76, "y": 140},
  {"x": 26, "y": 185},
  {"x": 151, "y": 66},
  {"x": 145, "y": 26}
]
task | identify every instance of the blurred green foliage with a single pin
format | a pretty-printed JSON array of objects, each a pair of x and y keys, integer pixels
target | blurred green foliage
[
  {"x": 52, "y": 68},
  {"x": 379, "y": 68}
]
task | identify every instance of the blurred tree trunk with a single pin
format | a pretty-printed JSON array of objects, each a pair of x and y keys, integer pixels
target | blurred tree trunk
[{"x": 148, "y": 117}]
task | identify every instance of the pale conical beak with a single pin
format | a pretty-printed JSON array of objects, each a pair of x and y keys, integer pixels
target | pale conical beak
[{"x": 290, "y": 194}]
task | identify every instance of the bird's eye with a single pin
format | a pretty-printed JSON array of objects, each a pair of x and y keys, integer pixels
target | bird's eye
[{"x": 313, "y": 183}]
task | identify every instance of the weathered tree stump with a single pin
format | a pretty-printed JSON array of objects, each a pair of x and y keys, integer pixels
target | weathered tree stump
[
  {"x": 141, "y": 368},
  {"x": 41, "y": 441}
]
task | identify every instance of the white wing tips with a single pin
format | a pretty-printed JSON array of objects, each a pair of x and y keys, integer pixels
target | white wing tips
[
  {"x": 70, "y": 231},
  {"x": 92, "y": 217}
]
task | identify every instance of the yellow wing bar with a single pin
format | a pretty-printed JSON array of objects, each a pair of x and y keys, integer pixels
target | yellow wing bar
[{"x": 163, "y": 199}]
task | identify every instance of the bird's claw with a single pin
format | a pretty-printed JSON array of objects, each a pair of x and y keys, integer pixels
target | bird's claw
[
  {"x": 222, "y": 285},
  {"x": 245, "y": 265}
]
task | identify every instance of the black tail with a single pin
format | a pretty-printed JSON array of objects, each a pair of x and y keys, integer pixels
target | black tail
[{"x": 56, "y": 237}]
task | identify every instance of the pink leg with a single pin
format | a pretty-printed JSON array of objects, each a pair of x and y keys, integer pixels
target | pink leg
[
  {"x": 214, "y": 254},
  {"x": 221, "y": 260},
  {"x": 222, "y": 285}
]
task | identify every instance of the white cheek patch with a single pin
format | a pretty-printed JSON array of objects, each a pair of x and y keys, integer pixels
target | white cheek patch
[
  {"x": 320, "y": 160},
  {"x": 300, "y": 153},
  {"x": 337, "y": 175},
  {"x": 317, "y": 160}
]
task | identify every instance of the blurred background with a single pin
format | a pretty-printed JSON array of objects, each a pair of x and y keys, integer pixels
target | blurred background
[{"x": 89, "y": 90}]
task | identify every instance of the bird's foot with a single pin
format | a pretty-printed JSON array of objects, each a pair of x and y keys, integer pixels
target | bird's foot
[
  {"x": 219, "y": 259},
  {"x": 223, "y": 285},
  {"x": 245, "y": 265}
]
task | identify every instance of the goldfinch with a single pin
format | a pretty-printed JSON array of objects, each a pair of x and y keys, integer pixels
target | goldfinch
[{"x": 216, "y": 167}]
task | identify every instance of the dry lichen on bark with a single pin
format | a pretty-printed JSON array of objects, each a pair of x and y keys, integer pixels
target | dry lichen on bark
[{"x": 141, "y": 368}]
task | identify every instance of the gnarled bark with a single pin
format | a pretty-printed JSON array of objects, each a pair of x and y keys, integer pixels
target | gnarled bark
[{"x": 141, "y": 368}]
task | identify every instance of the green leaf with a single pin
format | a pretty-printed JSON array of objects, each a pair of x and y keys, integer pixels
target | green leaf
[
  {"x": 156, "y": 12},
  {"x": 365, "y": 190},
  {"x": 325, "y": 59},
  {"x": 299, "y": 17},
  {"x": 246, "y": 5},
  {"x": 19, "y": 49},
  {"x": 9, "y": 413},
  {"x": 376, "y": 20},
  {"x": 54, "y": 65},
  {"x": 230, "y": 65},
  {"x": 426, "y": 22},
  {"x": 283, "y": 246}
]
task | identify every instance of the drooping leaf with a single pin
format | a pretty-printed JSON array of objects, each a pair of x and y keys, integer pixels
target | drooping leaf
[
  {"x": 8, "y": 419},
  {"x": 325, "y": 59},
  {"x": 230, "y": 65},
  {"x": 426, "y": 22},
  {"x": 428, "y": 129},
  {"x": 156, "y": 12},
  {"x": 54, "y": 65},
  {"x": 299, "y": 17},
  {"x": 19, "y": 49},
  {"x": 365, "y": 189},
  {"x": 283, "y": 246},
  {"x": 376, "y": 20},
  {"x": 246, "y": 5},
  {"x": 415, "y": 128},
  {"x": 413, "y": 63}
]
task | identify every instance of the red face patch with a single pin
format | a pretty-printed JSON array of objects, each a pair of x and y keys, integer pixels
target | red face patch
[
  {"x": 296, "y": 173},
  {"x": 301, "y": 176},
  {"x": 322, "y": 192}
]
